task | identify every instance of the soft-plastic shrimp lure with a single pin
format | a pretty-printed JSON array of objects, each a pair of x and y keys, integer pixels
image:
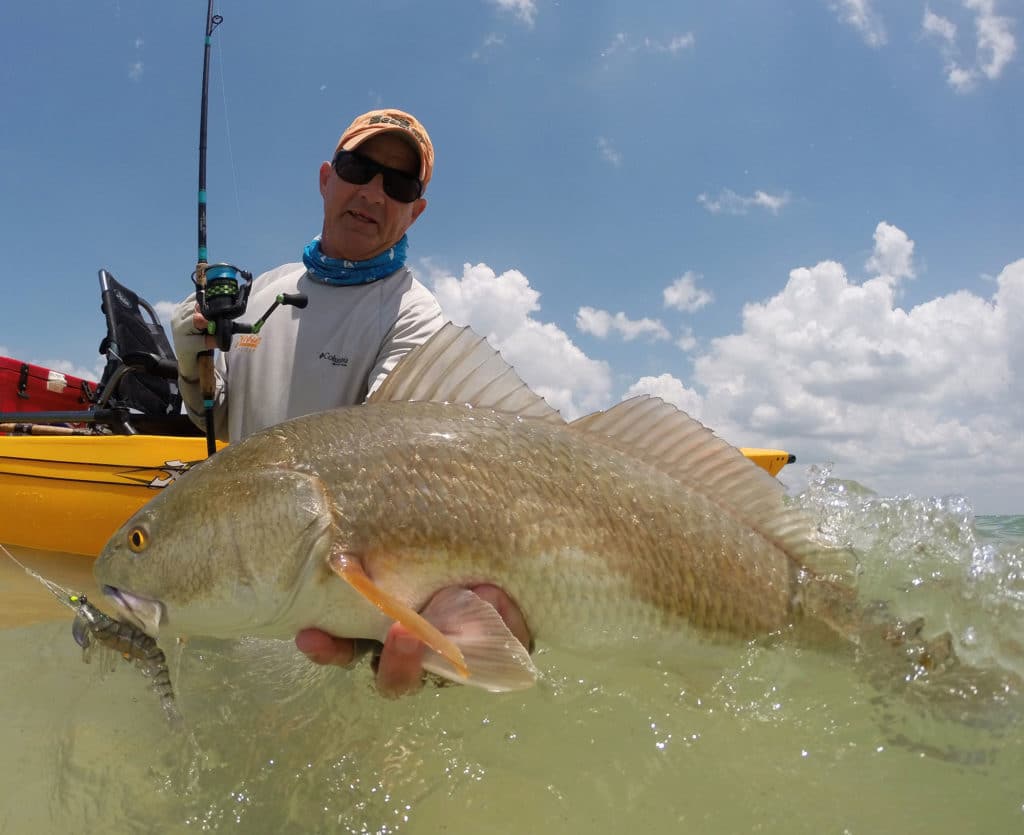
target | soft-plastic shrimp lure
[{"x": 93, "y": 627}]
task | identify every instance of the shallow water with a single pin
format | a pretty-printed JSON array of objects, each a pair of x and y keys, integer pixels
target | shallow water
[{"x": 773, "y": 739}]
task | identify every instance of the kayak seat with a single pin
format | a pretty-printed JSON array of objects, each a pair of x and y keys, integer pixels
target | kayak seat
[
  {"x": 138, "y": 390},
  {"x": 141, "y": 373}
]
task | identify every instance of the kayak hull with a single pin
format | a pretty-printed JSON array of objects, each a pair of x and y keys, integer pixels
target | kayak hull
[
  {"x": 69, "y": 494},
  {"x": 772, "y": 460}
]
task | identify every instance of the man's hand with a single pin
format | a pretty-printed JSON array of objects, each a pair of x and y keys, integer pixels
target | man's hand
[
  {"x": 199, "y": 323},
  {"x": 401, "y": 660}
]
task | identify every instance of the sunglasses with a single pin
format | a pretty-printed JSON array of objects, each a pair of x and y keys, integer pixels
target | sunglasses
[{"x": 359, "y": 170}]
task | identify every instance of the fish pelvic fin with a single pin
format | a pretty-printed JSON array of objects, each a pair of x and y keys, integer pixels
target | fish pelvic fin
[
  {"x": 497, "y": 661},
  {"x": 456, "y": 365},
  {"x": 350, "y": 570}
]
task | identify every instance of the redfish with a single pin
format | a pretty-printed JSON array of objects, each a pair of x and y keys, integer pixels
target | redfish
[{"x": 635, "y": 527}]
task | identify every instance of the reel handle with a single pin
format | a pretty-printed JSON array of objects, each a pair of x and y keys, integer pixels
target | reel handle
[{"x": 299, "y": 300}]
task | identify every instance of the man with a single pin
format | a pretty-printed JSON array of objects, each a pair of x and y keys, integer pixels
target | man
[
  {"x": 365, "y": 308},
  {"x": 365, "y": 312}
]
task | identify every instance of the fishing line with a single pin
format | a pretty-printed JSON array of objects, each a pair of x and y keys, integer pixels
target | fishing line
[
  {"x": 227, "y": 133},
  {"x": 62, "y": 594}
]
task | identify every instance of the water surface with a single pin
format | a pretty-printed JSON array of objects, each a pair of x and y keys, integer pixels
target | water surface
[{"x": 768, "y": 739}]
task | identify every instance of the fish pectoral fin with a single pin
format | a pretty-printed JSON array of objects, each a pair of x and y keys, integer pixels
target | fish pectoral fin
[
  {"x": 497, "y": 661},
  {"x": 350, "y": 569}
]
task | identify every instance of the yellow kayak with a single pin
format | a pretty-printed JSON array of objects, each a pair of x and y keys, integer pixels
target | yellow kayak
[
  {"x": 772, "y": 460},
  {"x": 69, "y": 494}
]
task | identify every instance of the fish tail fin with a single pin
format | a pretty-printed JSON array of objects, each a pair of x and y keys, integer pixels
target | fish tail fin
[
  {"x": 930, "y": 700},
  {"x": 829, "y": 611},
  {"x": 835, "y": 609},
  {"x": 904, "y": 640}
]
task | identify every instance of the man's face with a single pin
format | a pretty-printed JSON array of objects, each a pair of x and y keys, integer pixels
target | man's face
[{"x": 362, "y": 221}]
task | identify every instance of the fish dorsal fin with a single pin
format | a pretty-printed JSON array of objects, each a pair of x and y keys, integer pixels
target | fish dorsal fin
[
  {"x": 671, "y": 441},
  {"x": 456, "y": 365}
]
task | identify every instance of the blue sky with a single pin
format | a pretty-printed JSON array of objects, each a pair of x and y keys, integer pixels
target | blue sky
[{"x": 800, "y": 221}]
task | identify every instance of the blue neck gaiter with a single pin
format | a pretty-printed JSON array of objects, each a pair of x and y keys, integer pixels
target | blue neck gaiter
[{"x": 341, "y": 272}]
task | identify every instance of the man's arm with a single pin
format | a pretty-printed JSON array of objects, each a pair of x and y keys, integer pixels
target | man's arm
[
  {"x": 418, "y": 319},
  {"x": 188, "y": 342}
]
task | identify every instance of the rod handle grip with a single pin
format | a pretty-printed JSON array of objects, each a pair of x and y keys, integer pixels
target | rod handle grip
[{"x": 207, "y": 378}]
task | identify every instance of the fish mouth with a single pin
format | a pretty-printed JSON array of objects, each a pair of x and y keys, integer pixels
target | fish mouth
[{"x": 143, "y": 612}]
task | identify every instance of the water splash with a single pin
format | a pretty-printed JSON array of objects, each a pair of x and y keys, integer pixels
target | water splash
[{"x": 930, "y": 557}]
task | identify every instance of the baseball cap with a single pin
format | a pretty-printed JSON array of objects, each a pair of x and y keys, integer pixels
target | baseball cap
[{"x": 395, "y": 121}]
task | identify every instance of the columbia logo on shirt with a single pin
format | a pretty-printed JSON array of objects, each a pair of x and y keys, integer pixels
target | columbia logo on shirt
[{"x": 334, "y": 359}]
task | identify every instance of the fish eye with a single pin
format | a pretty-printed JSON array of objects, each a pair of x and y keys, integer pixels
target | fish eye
[{"x": 138, "y": 539}]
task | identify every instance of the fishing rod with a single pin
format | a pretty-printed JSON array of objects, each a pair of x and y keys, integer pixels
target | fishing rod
[{"x": 222, "y": 290}]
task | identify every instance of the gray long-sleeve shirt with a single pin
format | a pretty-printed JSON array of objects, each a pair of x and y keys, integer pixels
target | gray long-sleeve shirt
[{"x": 332, "y": 353}]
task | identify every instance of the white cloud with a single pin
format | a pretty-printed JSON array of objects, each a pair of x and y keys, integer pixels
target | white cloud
[
  {"x": 525, "y": 10},
  {"x": 608, "y": 151},
  {"x": 669, "y": 389},
  {"x": 164, "y": 312},
  {"x": 675, "y": 44},
  {"x": 686, "y": 341},
  {"x": 92, "y": 373},
  {"x": 861, "y": 16},
  {"x": 595, "y": 322},
  {"x": 625, "y": 44},
  {"x": 995, "y": 45},
  {"x": 684, "y": 295},
  {"x": 600, "y": 323},
  {"x": 836, "y": 371},
  {"x": 136, "y": 67},
  {"x": 893, "y": 256},
  {"x": 487, "y": 301},
  {"x": 490, "y": 43},
  {"x": 960, "y": 79},
  {"x": 620, "y": 43},
  {"x": 731, "y": 203},
  {"x": 681, "y": 42},
  {"x": 502, "y": 308},
  {"x": 939, "y": 27}
]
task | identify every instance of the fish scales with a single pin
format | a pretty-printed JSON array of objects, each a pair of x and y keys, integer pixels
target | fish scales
[{"x": 447, "y": 494}]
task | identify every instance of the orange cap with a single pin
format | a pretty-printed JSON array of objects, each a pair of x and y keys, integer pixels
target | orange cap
[{"x": 396, "y": 121}]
